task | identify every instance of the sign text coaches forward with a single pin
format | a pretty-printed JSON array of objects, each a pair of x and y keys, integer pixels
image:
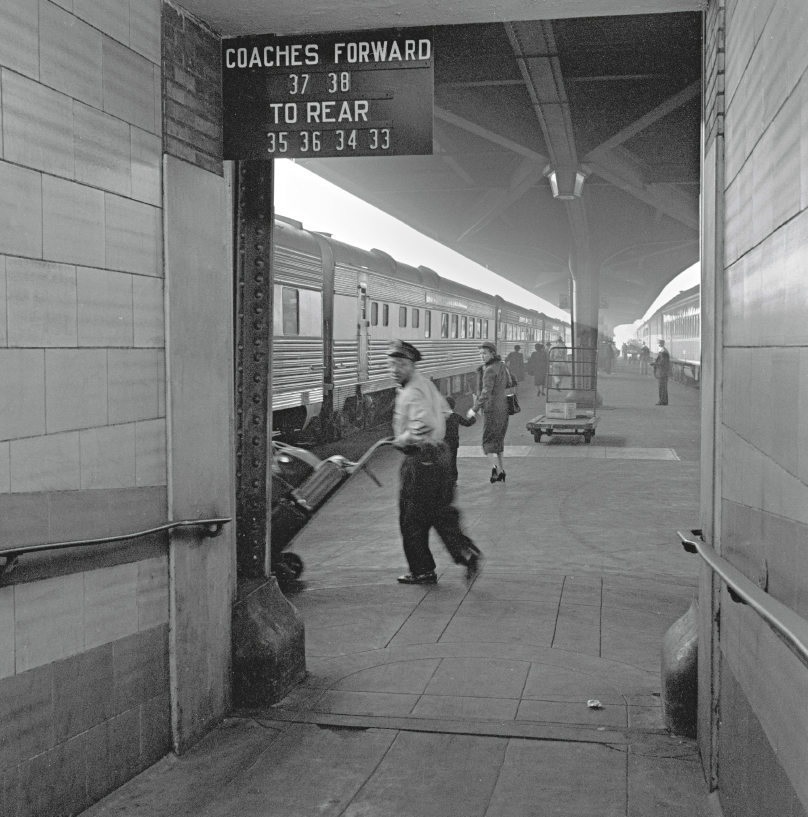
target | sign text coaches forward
[{"x": 309, "y": 54}]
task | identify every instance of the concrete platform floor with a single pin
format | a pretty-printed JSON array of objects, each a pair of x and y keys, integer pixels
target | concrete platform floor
[{"x": 472, "y": 701}]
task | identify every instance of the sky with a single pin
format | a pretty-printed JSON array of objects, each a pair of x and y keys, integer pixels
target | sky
[{"x": 324, "y": 207}]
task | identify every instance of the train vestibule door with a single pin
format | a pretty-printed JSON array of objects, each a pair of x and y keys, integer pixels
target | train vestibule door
[{"x": 363, "y": 327}]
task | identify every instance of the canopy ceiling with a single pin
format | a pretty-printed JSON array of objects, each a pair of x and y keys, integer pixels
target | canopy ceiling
[{"x": 616, "y": 97}]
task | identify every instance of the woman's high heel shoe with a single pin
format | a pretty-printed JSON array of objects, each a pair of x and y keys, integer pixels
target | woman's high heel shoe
[
  {"x": 501, "y": 476},
  {"x": 494, "y": 476}
]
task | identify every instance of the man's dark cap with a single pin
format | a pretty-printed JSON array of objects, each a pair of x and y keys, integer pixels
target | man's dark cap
[
  {"x": 487, "y": 344},
  {"x": 400, "y": 348}
]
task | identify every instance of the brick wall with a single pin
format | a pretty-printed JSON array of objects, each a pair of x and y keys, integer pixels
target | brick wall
[
  {"x": 713, "y": 71},
  {"x": 192, "y": 89}
]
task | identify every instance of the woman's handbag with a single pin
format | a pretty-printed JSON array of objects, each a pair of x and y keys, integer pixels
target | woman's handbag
[{"x": 511, "y": 383}]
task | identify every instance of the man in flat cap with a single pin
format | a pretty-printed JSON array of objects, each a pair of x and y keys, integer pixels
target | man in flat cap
[
  {"x": 426, "y": 485},
  {"x": 662, "y": 371}
]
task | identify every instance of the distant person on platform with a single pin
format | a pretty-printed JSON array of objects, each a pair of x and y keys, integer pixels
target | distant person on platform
[
  {"x": 557, "y": 361},
  {"x": 515, "y": 362},
  {"x": 645, "y": 359},
  {"x": 608, "y": 356},
  {"x": 452, "y": 438},
  {"x": 624, "y": 351},
  {"x": 493, "y": 383},
  {"x": 537, "y": 366},
  {"x": 426, "y": 486},
  {"x": 662, "y": 371}
]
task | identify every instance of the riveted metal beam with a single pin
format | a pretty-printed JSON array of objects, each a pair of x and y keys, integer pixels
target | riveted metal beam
[{"x": 253, "y": 298}]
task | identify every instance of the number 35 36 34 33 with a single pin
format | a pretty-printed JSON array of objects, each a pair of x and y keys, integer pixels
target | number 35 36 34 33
[{"x": 315, "y": 141}]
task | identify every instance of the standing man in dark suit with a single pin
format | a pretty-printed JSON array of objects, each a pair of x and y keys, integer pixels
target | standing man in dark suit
[{"x": 662, "y": 371}]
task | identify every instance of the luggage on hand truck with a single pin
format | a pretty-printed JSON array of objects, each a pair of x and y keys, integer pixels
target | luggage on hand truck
[
  {"x": 302, "y": 483},
  {"x": 572, "y": 394}
]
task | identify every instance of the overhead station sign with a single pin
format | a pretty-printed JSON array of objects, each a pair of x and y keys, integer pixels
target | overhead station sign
[{"x": 366, "y": 93}]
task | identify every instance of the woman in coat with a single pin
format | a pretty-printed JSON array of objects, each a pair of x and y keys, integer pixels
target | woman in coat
[
  {"x": 537, "y": 366},
  {"x": 492, "y": 386}
]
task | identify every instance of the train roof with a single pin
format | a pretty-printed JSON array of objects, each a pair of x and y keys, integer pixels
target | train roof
[
  {"x": 685, "y": 295},
  {"x": 378, "y": 261}
]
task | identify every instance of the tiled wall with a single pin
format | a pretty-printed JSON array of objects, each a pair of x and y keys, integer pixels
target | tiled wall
[
  {"x": 81, "y": 291},
  {"x": 764, "y": 529},
  {"x": 84, "y": 701},
  {"x": 83, "y": 652}
]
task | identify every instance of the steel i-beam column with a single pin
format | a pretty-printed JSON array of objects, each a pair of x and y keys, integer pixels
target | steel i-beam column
[
  {"x": 268, "y": 637},
  {"x": 586, "y": 299}
]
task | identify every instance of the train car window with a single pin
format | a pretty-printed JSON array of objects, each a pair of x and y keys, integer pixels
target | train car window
[
  {"x": 480, "y": 328},
  {"x": 454, "y": 325},
  {"x": 402, "y": 316},
  {"x": 486, "y": 329},
  {"x": 385, "y": 314},
  {"x": 471, "y": 327},
  {"x": 291, "y": 311},
  {"x": 464, "y": 327},
  {"x": 427, "y": 323},
  {"x": 444, "y": 325},
  {"x": 416, "y": 318},
  {"x": 374, "y": 313},
  {"x": 310, "y": 313}
]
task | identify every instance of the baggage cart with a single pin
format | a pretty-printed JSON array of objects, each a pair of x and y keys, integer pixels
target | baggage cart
[
  {"x": 572, "y": 394},
  {"x": 302, "y": 484}
]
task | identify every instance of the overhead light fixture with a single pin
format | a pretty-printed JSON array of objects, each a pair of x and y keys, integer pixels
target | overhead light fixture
[{"x": 566, "y": 184}]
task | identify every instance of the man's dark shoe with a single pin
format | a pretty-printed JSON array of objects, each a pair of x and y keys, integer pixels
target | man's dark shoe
[
  {"x": 418, "y": 578},
  {"x": 474, "y": 567}
]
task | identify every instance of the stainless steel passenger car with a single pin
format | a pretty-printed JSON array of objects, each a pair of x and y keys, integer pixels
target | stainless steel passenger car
[
  {"x": 678, "y": 322},
  {"x": 336, "y": 309}
]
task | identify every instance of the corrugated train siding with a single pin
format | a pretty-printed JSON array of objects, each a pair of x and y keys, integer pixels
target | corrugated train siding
[
  {"x": 297, "y": 367},
  {"x": 345, "y": 280},
  {"x": 441, "y": 358},
  {"x": 293, "y": 267},
  {"x": 400, "y": 292}
]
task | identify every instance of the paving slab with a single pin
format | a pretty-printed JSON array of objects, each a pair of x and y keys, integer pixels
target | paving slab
[
  {"x": 395, "y": 676},
  {"x": 365, "y": 703},
  {"x": 613, "y": 715},
  {"x": 565, "y": 780},
  {"x": 578, "y": 628},
  {"x": 310, "y": 770},
  {"x": 479, "y": 677},
  {"x": 454, "y": 707},
  {"x": 432, "y": 776},
  {"x": 550, "y": 682}
]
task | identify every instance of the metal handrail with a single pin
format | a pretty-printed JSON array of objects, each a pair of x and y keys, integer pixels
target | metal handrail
[
  {"x": 212, "y": 527},
  {"x": 788, "y": 625}
]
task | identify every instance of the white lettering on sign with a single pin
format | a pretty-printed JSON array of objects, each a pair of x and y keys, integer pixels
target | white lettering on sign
[
  {"x": 272, "y": 56},
  {"x": 287, "y": 110},
  {"x": 382, "y": 51},
  {"x": 346, "y": 110},
  {"x": 355, "y": 110}
]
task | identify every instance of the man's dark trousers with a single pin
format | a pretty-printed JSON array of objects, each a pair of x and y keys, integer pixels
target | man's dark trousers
[
  {"x": 663, "y": 391},
  {"x": 425, "y": 502}
]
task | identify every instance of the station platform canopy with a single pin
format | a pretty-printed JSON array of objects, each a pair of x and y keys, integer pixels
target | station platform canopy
[{"x": 602, "y": 93}]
